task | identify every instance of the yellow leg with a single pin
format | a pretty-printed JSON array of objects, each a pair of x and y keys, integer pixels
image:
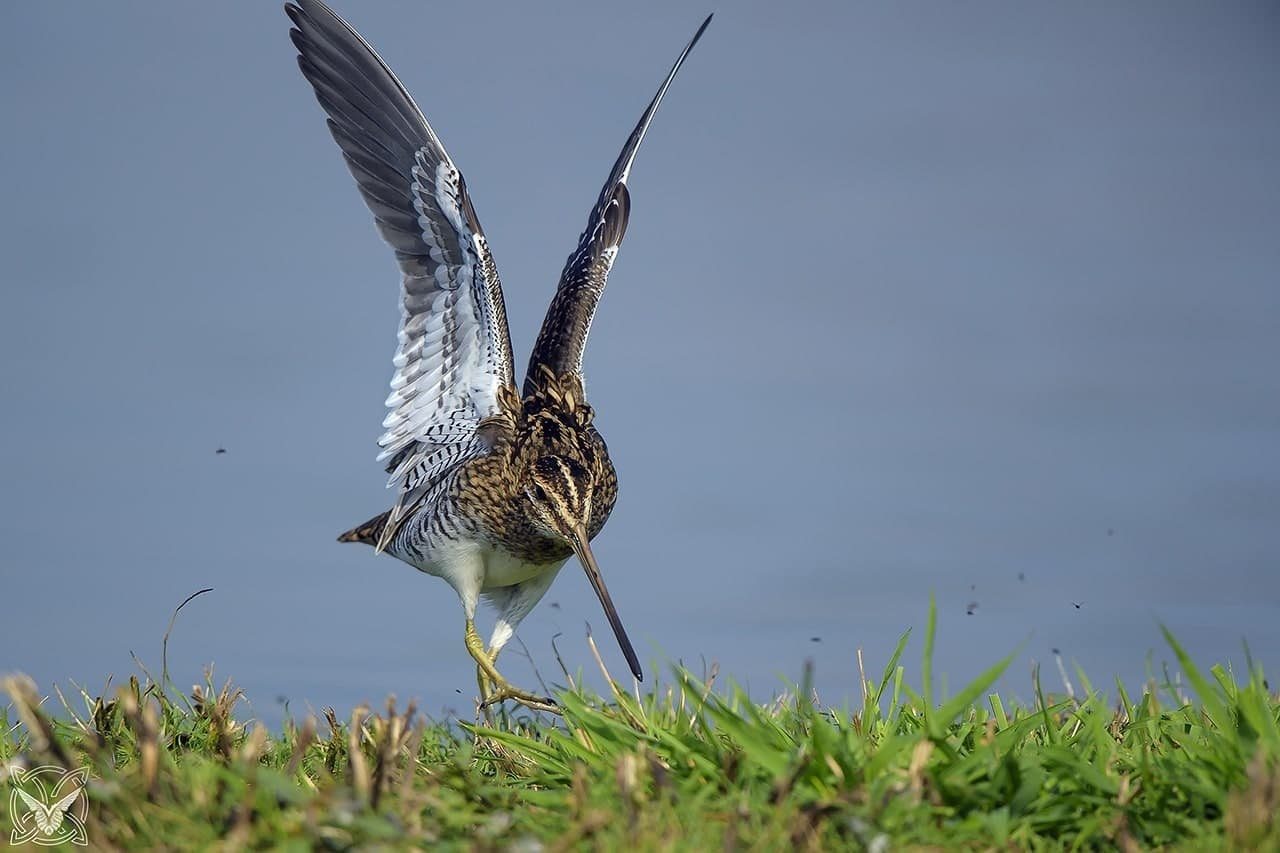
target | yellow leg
[
  {"x": 487, "y": 676},
  {"x": 482, "y": 680}
]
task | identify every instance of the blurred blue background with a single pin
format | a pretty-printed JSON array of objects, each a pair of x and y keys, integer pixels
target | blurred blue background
[{"x": 974, "y": 300}]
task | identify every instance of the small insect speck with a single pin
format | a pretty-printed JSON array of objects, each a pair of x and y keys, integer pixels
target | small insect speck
[
  {"x": 456, "y": 690},
  {"x": 555, "y": 605},
  {"x": 219, "y": 451},
  {"x": 815, "y": 639},
  {"x": 1022, "y": 577},
  {"x": 1076, "y": 604},
  {"x": 973, "y": 606},
  {"x": 1055, "y": 651}
]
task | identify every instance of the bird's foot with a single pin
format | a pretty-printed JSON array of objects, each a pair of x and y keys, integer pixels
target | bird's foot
[
  {"x": 493, "y": 687},
  {"x": 503, "y": 691}
]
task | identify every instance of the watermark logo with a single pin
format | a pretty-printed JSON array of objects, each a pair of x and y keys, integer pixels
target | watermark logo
[{"x": 49, "y": 805}]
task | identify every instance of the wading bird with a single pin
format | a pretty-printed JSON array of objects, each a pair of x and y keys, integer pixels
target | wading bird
[{"x": 495, "y": 488}]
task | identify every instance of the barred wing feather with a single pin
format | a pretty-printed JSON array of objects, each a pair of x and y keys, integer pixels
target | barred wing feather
[
  {"x": 454, "y": 347},
  {"x": 563, "y": 337}
]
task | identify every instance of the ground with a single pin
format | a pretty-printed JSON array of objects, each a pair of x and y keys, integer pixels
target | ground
[{"x": 689, "y": 765}]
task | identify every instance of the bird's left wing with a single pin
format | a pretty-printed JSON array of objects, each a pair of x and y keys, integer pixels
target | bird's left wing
[
  {"x": 65, "y": 803},
  {"x": 58, "y": 810},
  {"x": 563, "y": 337},
  {"x": 454, "y": 351}
]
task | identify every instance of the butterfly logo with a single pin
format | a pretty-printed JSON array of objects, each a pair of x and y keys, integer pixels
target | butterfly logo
[{"x": 49, "y": 805}]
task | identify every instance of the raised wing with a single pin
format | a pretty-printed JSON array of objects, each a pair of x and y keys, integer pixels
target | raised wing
[
  {"x": 38, "y": 810},
  {"x": 58, "y": 809},
  {"x": 455, "y": 350},
  {"x": 564, "y": 330}
]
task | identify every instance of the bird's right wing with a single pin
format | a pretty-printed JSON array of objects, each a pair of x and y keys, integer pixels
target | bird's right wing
[
  {"x": 38, "y": 810},
  {"x": 454, "y": 347}
]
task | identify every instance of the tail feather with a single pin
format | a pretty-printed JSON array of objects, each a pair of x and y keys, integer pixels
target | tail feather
[{"x": 369, "y": 532}]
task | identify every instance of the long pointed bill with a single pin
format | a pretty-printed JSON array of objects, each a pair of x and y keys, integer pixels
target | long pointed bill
[{"x": 592, "y": 568}]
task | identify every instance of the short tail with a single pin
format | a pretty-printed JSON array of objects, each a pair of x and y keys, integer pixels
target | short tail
[{"x": 368, "y": 532}]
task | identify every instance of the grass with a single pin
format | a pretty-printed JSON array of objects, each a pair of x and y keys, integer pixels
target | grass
[{"x": 685, "y": 766}]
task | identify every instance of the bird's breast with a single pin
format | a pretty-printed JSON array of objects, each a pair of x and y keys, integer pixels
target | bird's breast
[{"x": 503, "y": 568}]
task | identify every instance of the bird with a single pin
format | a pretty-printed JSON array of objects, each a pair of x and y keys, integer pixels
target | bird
[
  {"x": 495, "y": 487},
  {"x": 48, "y": 818}
]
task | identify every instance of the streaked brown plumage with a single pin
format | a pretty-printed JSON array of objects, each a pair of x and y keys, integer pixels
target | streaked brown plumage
[
  {"x": 495, "y": 488},
  {"x": 554, "y": 421}
]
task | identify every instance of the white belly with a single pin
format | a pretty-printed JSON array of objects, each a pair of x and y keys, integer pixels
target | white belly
[
  {"x": 459, "y": 563},
  {"x": 503, "y": 569}
]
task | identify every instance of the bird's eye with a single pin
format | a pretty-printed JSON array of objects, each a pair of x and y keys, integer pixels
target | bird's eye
[{"x": 539, "y": 493}]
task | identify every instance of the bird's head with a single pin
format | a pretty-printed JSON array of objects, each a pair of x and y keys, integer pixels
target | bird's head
[{"x": 560, "y": 491}]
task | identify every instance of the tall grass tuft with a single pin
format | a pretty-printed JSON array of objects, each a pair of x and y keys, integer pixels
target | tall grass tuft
[{"x": 683, "y": 765}]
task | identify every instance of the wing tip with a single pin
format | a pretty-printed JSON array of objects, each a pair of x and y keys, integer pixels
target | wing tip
[{"x": 706, "y": 22}]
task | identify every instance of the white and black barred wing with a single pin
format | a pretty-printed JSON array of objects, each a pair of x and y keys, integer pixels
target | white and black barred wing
[{"x": 454, "y": 348}]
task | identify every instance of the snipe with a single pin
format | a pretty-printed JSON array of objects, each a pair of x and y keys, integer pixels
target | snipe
[{"x": 495, "y": 488}]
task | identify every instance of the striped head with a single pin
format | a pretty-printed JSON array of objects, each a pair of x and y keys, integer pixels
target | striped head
[
  {"x": 560, "y": 489},
  {"x": 562, "y": 492}
]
